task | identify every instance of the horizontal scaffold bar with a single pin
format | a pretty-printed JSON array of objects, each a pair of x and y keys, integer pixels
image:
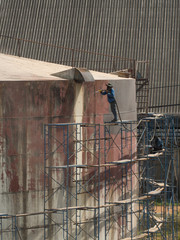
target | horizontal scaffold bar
[
  {"x": 141, "y": 236},
  {"x": 113, "y": 204},
  {"x": 124, "y": 161},
  {"x": 92, "y": 139},
  {"x": 146, "y": 196},
  {"x": 95, "y": 165}
]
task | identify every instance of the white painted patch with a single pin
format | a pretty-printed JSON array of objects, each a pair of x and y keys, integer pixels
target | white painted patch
[
  {"x": 78, "y": 117},
  {"x": 79, "y": 100}
]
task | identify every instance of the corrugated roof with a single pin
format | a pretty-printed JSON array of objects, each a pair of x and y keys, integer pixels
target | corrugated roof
[{"x": 141, "y": 29}]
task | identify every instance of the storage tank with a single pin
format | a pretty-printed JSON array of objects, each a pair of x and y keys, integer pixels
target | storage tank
[{"x": 34, "y": 94}]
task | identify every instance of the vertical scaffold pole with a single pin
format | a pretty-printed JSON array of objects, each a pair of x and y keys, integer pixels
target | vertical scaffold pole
[
  {"x": 166, "y": 124},
  {"x": 172, "y": 175},
  {"x": 45, "y": 181},
  {"x": 105, "y": 214},
  {"x": 76, "y": 169},
  {"x": 1, "y": 228},
  {"x": 147, "y": 176},
  {"x": 99, "y": 179},
  {"x": 131, "y": 184},
  {"x": 67, "y": 183}
]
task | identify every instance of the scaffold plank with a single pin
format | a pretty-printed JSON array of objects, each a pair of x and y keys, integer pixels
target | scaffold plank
[
  {"x": 160, "y": 184},
  {"x": 156, "y": 154},
  {"x": 157, "y": 219},
  {"x": 129, "y": 200},
  {"x": 141, "y": 236},
  {"x": 124, "y": 161},
  {"x": 154, "y": 229},
  {"x": 155, "y": 192}
]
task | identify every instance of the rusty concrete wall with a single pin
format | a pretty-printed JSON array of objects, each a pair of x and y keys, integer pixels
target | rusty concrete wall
[{"x": 24, "y": 108}]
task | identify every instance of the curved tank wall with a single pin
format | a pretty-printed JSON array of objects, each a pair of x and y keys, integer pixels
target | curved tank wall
[{"x": 25, "y": 106}]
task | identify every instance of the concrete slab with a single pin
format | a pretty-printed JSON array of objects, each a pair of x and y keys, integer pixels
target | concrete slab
[
  {"x": 105, "y": 76},
  {"x": 14, "y": 68}
]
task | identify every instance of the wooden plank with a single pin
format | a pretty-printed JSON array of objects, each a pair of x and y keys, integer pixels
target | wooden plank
[
  {"x": 157, "y": 219},
  {"x": 155, "y": 229},
  {"x": 156, "y": 191},
  {"x": 154, "y": 182},
  {"x": 129, "y": 200},
  {"x": 156, "y": 154},
  {"x": 141, "y": 236}
]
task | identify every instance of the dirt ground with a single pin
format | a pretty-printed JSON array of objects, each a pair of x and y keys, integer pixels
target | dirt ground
[{"x": 160, "y": 209}]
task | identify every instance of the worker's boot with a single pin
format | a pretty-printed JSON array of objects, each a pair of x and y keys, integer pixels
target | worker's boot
[{"x": 114, "y": 120}]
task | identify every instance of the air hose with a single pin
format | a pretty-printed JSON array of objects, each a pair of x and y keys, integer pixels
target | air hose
[{"x": 122, "y": 121}]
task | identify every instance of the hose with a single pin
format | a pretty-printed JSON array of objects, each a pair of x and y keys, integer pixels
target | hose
[{"x": 122, "y": 121}]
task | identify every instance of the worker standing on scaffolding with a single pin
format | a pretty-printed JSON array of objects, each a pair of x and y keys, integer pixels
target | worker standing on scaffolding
[
  {"x": 157, "y": 144},
  {"x": 111, "y": 99}
]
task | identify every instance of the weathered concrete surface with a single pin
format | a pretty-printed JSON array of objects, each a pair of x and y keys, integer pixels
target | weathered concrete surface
[
  {"x": 29, "y": 98},
  {"x": 80, "y": 75},
  {"x": 125, "y": 97},
  {"x": 23, "y": 69}
]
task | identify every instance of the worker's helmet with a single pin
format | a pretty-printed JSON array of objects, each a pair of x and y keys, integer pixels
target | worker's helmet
[{"x": 109, "y": 85}]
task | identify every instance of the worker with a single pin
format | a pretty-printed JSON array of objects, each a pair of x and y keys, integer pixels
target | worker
[
  {"x": 157, "y": 144},
  {"x": 111, "y": 99}
]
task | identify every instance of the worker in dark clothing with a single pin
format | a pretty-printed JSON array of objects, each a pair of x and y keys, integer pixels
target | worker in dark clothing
[
  {"x": 157, "y": 144},
  {"x": 111, "y": 99}
]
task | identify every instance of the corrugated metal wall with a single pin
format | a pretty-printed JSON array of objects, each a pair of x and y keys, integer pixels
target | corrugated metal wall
[{"x": 141, "y": 29}]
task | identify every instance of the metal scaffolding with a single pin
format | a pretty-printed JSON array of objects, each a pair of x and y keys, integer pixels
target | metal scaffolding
[
  {"x": 104, "y": 181},
  {"x": 92, "y": 179},
  {"x": 158, "y": 177},
  {"x": 69, "y": 178}
]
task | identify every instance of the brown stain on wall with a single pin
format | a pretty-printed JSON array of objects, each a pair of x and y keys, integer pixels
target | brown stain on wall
[{"x": 27, "y": 106}]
